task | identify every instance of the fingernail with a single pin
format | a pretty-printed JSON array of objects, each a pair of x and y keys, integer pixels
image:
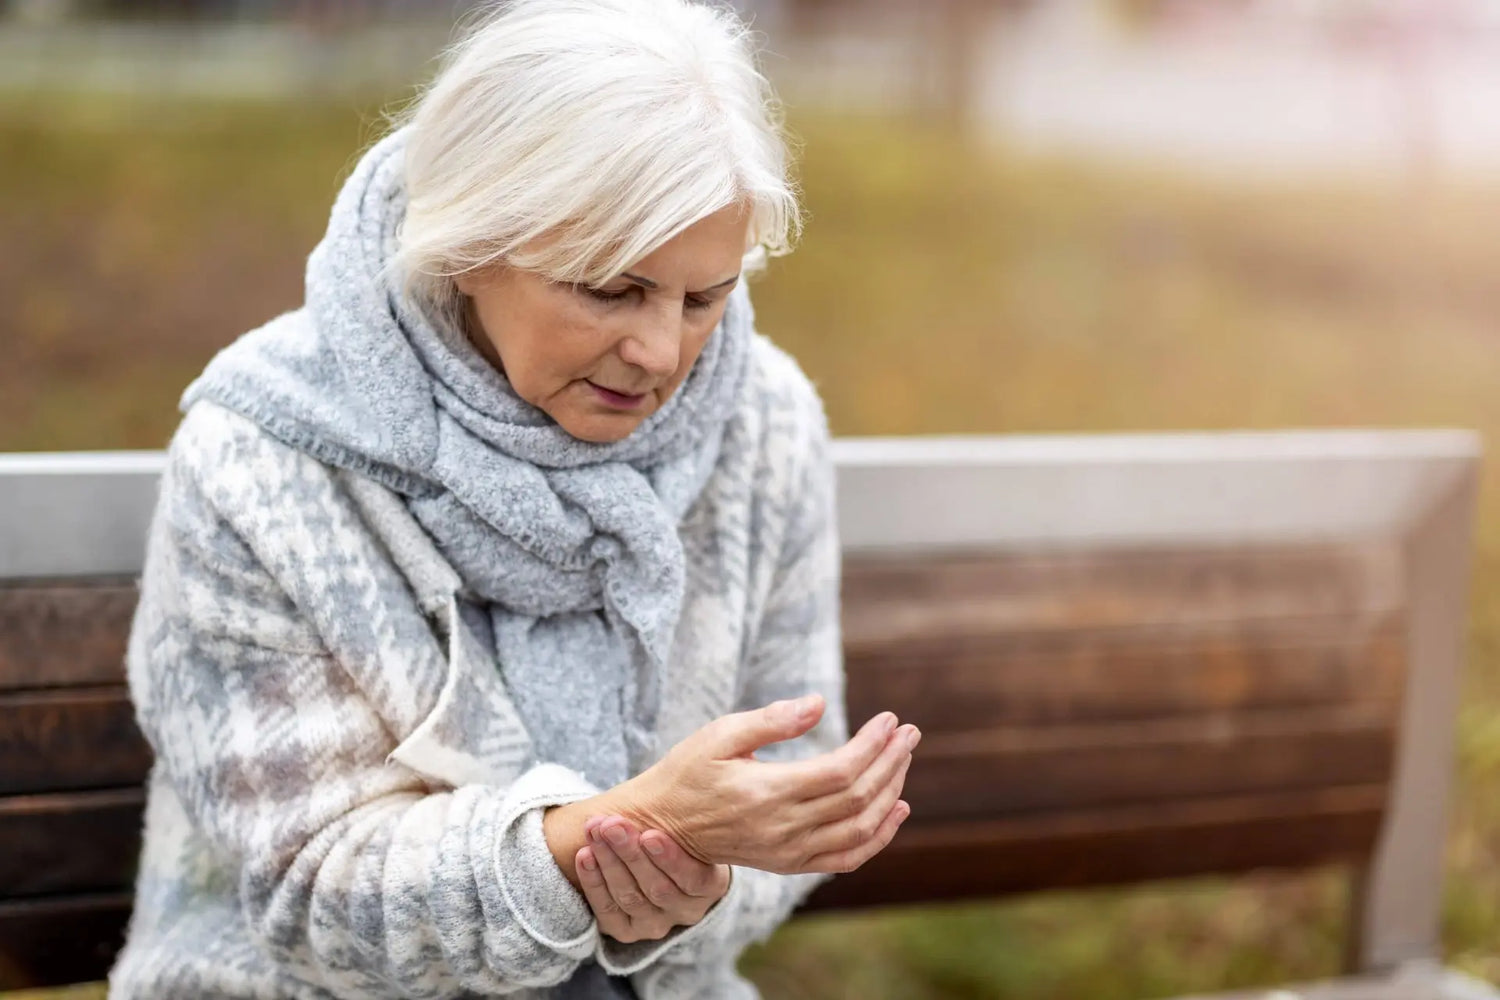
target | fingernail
[
  {"x": 655, "y": 847},
  {"x": 913, "y": 738},
  {"x": 888, "y": 723},
  {"x": 805, "y": 705},
  {"x": 588, "y": 863},
  {"x": 617, "y": 835}
]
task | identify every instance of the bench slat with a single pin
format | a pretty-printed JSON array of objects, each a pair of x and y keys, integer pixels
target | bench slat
[
  {"x": 72, "y": 842},
  {"x": 46, "y": 942},
  {"x": 1020, "y": 770},
  {"x": 967, "y": 683},
  {"x": 70, "y": 739},
  {"x": 971, "y": 860},
  {"x": 56, "y": 635},
  {"x": 971, "y": 641},
  {"x": 888, "y": 598}
]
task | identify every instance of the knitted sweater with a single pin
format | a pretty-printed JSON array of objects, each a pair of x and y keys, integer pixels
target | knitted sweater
[{"x": 343, "y": 804}]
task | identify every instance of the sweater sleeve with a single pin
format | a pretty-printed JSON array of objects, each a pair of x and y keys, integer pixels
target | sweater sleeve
[
  {"x": 797, "y": 650},
  {"x": 352, "y": 873}
]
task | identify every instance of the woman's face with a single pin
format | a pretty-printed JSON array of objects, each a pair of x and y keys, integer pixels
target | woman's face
[{"x": 601, "y": 360}]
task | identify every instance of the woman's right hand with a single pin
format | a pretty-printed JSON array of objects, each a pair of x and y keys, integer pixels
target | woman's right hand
[{"x": 830, "y": 813}]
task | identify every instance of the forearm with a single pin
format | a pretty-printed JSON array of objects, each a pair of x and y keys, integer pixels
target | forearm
[
  {"x": 368, "y": 885},
  {"x": 350, "y": 873},
  {"x": 355, "y": 909}
]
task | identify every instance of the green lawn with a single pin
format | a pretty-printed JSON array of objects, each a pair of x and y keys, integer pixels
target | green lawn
[{"x": 941, "y": 287}]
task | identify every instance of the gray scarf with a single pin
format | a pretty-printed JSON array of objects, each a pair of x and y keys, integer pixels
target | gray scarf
[{"x": 570, "y": 548}]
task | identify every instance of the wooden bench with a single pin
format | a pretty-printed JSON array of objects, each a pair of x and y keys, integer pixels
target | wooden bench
[{"x": 1134, "y": 658}]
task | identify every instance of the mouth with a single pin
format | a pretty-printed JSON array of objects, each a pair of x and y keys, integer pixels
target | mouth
[{"x": 617, "y": 400}]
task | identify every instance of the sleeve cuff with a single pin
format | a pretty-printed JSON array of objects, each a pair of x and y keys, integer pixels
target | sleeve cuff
[
  {"x": 682, "y": 945},
  {"x": 540, "y": 896}
]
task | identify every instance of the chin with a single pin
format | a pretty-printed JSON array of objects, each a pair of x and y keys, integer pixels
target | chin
[{"x": 601, "y": 429}]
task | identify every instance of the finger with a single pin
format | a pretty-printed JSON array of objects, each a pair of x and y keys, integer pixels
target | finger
[
  {"x": 692, "y": 876},
  {"x": 622, "y": 885},
  {"x": 837, "y": 770},
  {"x": 894, "y": 757},
  {"x": 743, "y": 733},
  {"x": 853, "y": 832},
  {"x": 849, "y": 860},
  {"x": 611, "y": 918},
  {"x": 659, "y": 889}
]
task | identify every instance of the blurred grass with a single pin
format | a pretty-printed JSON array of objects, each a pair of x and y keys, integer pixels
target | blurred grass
[{"x": 942, "y": 287}]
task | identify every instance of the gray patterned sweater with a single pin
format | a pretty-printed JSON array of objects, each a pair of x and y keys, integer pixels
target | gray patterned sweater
[{"x": 335, "y": 809}]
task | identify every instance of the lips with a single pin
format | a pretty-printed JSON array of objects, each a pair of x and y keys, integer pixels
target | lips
[
  {"x": 619, "y": 400},
  {"x": 617, "y": 392}
]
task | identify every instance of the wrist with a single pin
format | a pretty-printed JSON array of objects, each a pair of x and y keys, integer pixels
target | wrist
[
  {"x": 565, "y": 826},
  {"x": 633, "y": 800},
  {"x": 563, "y": 829},
  {"x": 646, "y": 802}
]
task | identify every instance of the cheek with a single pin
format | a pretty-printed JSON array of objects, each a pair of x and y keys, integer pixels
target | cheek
[
  {"x": 698, "y": 341},
  {"x": 544, "y": 349},
  {"x": 570, "y": 347}
]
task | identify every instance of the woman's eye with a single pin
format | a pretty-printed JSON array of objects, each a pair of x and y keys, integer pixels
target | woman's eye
[
  {"x": 604, "y": 294},
  {"x": 692, "y": 303}
]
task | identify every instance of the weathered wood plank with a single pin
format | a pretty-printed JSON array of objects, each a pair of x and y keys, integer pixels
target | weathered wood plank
[
  {"x": 71, "y": 633},
  {"x": 934, "y": 862},
  {"x": 71, "y": 842},
  {"x": 60, "y": 940},
  {"x": 966, "y": 682},
  {"x": 1018, "y": 770},
  {"x": 54, "y": 635},
  {"x": 69, "y": 739},
  {"x": 891, "y": 598}
]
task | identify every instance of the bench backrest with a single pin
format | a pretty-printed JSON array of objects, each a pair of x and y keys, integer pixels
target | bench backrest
[{"x": 1133, "y": 658}]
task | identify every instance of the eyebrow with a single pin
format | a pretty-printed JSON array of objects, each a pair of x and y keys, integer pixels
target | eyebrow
[
  {"x": 723, "y": 284},
  {"x": 648, "y": 283}
]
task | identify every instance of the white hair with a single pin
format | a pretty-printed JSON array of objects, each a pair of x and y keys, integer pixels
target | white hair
[{"x": 573, "y": 137}]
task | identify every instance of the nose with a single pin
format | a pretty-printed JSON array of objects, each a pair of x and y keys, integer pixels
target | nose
[{"x": 654, "y": 344}]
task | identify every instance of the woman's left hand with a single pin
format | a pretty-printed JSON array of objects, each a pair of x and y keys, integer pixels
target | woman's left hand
[{"x": 641, "y": 885}]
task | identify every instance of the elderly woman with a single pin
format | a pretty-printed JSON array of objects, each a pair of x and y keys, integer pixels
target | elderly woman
[{"x": 488, "y": 637}]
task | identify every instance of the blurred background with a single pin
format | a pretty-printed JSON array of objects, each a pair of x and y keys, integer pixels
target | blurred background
[{"x": 1024, "y": 215}]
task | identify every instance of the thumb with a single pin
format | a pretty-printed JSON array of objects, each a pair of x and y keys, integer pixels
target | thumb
[{"x": 741, "y": 734}]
